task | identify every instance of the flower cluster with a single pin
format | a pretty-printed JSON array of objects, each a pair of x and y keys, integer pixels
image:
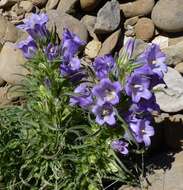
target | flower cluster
[
  {"x": 35, "y": 26},
  {"x": 105, "y": 94},
  {"x": 139, "y": 87},
  {"x": 101, "y": 90},
  {"x": 70, "y": 46}
]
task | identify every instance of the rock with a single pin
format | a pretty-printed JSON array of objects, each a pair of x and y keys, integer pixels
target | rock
[
  {"x": 129, "y": 26},
  {"x": 8, "y": 94},
  {"x": 4, "y": 100},
  {"x": 126, "y": 187},
  {"x": 108, "y": 17},
  {"x": 89, "y": 5},
  {"x": 131, "y": 22},
  {"x": 27, "y": 6},
  {"x": 162, "y": 41},
  {"x": 89, "y": 21},
  {"x": 110, "y": 43},
  {"x": 137, "y": 8},
  {"x": 8, "y": 31},
  {"x": 22, "y": 35},
  {"x": 170, "y": 99},
  {"x": 51, "y": 4},
  {"x": 7, "y": 3},
  {"x": 174, "y": 54},
  {"x": 130, "y": 32},
  {"x": 171, "y": 178},
  {"x": 179, "y": 67},
  {"x": 61, "y": 20},
  {"x": 173, "y": 40},
  {"x": 164, "y": 20},
  {"x": 176, "y": 118},
  {"x": 67, "y": 6},
  {"x": 144, "y": 29},
  {"x": 92, "y": 49},
  {"x": 139, "y": 47},
  {"x": 11, "y": 61},
  {"x": 1, "y": 81},
  {"x": 160, "y": 117},
  {"x": 17, "y": 11},
  {"x": 39, "y": 3}
]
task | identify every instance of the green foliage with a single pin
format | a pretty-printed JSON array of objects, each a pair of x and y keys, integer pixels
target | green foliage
[{"x": 45, "y": 144}]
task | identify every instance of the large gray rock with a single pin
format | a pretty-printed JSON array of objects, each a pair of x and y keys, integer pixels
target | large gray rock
[
  {"x": 126, "y": 187},
  {"x": 51, "y": 4},
  {"x": 162, "y": 41},
  {"x": 8, "y": 32},
  {"x": 67, "y": 6},
  {"x": 63, "y": 20},
  {"x": 11, "y": 61},
  {"x": 171, "y": 178},
  {"x": 173, "y": 40},
  {"x": 174, "y": 54},
  {"x": 170, "y": 99},
  {"x": 179, "y": 67},
  {"x": 108, "y": 17},
  {"x": 137, "y": 8},
  {"x": 167, "y": 15}
]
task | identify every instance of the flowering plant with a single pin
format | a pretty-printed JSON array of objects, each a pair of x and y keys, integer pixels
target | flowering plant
[{"x": 82, "y": 117}]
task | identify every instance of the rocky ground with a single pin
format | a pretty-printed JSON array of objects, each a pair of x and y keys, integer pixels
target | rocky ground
[{"x": 106, "y": 25}]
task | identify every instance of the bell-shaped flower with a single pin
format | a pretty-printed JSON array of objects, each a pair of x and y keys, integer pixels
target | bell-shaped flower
[
  {"x": 103, "y": 65},
  {"x": 28, "y": 47},
  {"x": 104, "y": 114},
  {"x": 107, "y": 91}
]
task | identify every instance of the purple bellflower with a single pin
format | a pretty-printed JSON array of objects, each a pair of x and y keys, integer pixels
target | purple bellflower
[
  {"x": 107, "y": 91},
  {"x": 83, "y": 96},
  {"x": 153, "y": 61},
  {"x": 144, "y": 105},
  {"x": 71, "y": 67},
  {"x": 120, "y": 146},
  {"x": 104, "y": 114},
  {"x": 28, "y": 47},
  {"x": 52, "y": 51},
  {"x": 70, "y": 45},
  {"x": 103, "y": 65},
  {"x": 35, "y": 26},
  {"x": 137, "y": 87},
  {"x": 142, "y": 130},
  {"x": 148, "y": 71},
  {"x": 129, "y": 47}
]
